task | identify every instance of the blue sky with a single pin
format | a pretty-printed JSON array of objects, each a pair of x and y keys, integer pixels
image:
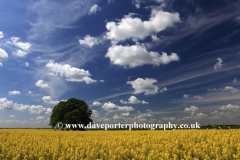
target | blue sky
[{"x": 137, "y": 61}]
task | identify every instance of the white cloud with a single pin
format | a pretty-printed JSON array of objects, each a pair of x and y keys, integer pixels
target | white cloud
[
  {"x": 39, "y": 118},
  {"x": 116, "y": 117},
  {"x": 200, "y": 115},
  {"x": 95, "y": 113},
  {"x": 136, "y": 3},
  {"x": 29, "y": 92},
  {"x": 226, "y": 88},
  {"x": 135, "y": 28},
  {"x": 154, "y": 38},
  {"x": 229, "y": 107},
  {"x": 198, "y": 97},
  {"x": 20, "y": 53},
  {"x": 192, "y": 109},
  {"x": 169, "y": 118},
  {"x": 26, "y": 64},
  {"x": 1, "y": 64},
  {"x": 14, "y": 92},
  {"x": 143, "y": 115},
  {"x": 110, "y": 107},
  {"x": 39, "y": 110},
  {"x": 5, "y": 104},
  {"x": 163, "y": 89},
  {"x": 94, "y": 9},
  {"x": 24, "y": 46},
  {"x": 137, "y": 55},
  {"x": 185, "y": 96},
  {"x": 71, "y": 73},
  {"x": 140, "y": 85},
  {"x": 235, "y": 80},
  {"x": 41, "y": 84},
  {"x": 47, "y": 99},
  {"x": 102, "y": 80},
  {"x": 21, "y": 107},
  {"x": 1, "y": 34},
  {"x": 218, "y": 66},
  {"x": 133, "y": 100},
  {"x": 12, "y": 116},
  {"x": 214, "y": 89},
  {"x": 96, "y": 104},
  {"x": 125, "y": 114},
  {"x": 230, "y": 88},
  {"x": 144, "y": 102},
  {"x": 89, "y": 41},
  {"x": 3, "y": 55}
]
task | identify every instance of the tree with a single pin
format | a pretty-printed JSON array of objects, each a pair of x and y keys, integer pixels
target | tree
[{"x": 72, "y": 111}]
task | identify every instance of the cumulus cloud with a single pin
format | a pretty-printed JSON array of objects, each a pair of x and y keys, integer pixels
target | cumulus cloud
[
  {"x": 192, "y": 109},
  {"x": 230, "y": 88},
  {"x": 163, "y": 89},
  {"x": 39, "y": 118},
  {"x": 94, "y": 9},
  {"x": 1, "y": 64},
  {"x": 71, "y": 73},
  {"x": 133, "y": 100},
  {"x": 29, "y": 92},
  {"x": 1, "y": 34},
  {"x": 12, "y": 116},
  {"x": 9, "y": 105},
  {"x": 5, "y": 104},
  {"x": 235, "y": 80},
  {"x": 26, "y": 64},
  {"x": 116, "y": 117},
  {"x": 24, "y": 46},
  {"x": 95, "y": 113},
  {"x": 185, "y": 96},
  {"x": 111, "y": 107},
  {"x": 218, "y": 66},
  {"x": 48, "y": 99},
  {"x": 14, "y": 92},
  {"x": 102, "y": 80},
  {"x": 137, "y": 55},
  {"x": 89, "y": 41},
  {"x": 3, "y": 55},
  {"x": 229, "y": 107},
  {"x": 96, "y": 104},
  {"x": 200, "y": 115},
  {"x": 135, "y": 28},
  {"x": 19, "y": 53},
  {"x": 147, "y": 86},
  {"x": 42, "y": 84},
  {"x": 136, "y": 3},
  {"x": 125, "y": 114},
  {"x": 39, "y": 110},
  {"x": 154, "y": 38}
]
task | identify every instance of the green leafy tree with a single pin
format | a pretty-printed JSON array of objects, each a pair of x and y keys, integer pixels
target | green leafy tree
[{"x": 72, "y": 111}]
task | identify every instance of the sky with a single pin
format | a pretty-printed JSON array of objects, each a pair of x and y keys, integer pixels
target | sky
[{"x": 143, "y": 61}]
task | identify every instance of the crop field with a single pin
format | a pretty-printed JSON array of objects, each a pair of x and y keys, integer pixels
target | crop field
[{"x": 109, "y": 145}]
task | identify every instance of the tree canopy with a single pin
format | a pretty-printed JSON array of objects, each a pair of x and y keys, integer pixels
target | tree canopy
[{"x": 72, "y": 111}]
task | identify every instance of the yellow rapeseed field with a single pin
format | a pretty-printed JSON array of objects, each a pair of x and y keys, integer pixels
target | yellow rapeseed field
[{"x": 76, "y": 145}]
